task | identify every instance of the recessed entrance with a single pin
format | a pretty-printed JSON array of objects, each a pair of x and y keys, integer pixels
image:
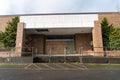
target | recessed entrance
[
  {"x": 59, "y": 44},
  {"x": 52, "y": 42}
]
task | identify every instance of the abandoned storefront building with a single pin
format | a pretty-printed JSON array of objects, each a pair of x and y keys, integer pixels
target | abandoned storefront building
[{"x": 60, "y": 33}]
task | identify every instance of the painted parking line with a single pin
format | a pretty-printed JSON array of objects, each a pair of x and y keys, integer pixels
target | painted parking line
[
  {"x": 60, "y": 66},
  {"x": 43, "y": 67},
  {"x": 79, "y": 65},
  {"x": 51, "y": 66},
  {"x": 55, "y": 66},
  {"x": 32, "y": 66},
  {"x": 75, "y": 67},
  {"x": 67, "y": 65},
  {"x": 48, "y": 66}
]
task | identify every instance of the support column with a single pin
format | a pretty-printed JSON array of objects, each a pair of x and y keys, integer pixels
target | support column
[
  {"x": 19, "y": 39},
  {"x": 97, "y": 37}
]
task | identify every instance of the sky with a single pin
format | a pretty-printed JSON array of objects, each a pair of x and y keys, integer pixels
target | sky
[{"x": 10, "y": 7}]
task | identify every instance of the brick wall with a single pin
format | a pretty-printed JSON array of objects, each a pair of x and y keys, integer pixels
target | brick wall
[
  {"x": 83, "y": 40},
  {"x": 3, "y": 21},
  {"x": 19, "y": 38},
  {"x": 97, "y": 37},
  {"x": 56, "y": 46},
  {"x": 113, "y": 18},
  {"x": 38, "y": 41}
]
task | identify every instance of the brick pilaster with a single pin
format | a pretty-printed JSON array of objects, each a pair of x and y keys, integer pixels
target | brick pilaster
[
  {"x": 19, "y": 38},
  {"x": 97, "y": 37}
]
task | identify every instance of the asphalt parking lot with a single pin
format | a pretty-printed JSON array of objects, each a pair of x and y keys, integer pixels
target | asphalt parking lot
[
  {"x": 17, "y": 74},
  {"x": 58, "y": 71}
]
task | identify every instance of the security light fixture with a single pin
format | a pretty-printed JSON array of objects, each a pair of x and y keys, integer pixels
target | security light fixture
[{"x": 42, "y": 30}]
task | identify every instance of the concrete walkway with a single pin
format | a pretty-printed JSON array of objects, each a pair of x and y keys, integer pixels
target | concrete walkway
[{"x": 56, "y": 66}]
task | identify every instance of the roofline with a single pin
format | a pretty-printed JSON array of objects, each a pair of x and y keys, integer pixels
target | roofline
[{"x": 60, "y": 13}]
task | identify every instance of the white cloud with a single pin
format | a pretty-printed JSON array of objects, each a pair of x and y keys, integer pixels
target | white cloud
[
  {"x": 98, "y": 5},
  {"x": 37, "y": 6},
  {"x": 19, "y": 6},
  {"x": 4, "y": 6},
  {"x": 44, "y": 6},
  {"x": 55, "y": 6}
]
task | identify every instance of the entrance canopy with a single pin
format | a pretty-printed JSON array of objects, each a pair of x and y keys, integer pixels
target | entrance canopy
[
  {"x": 59, "y": 21},
  {"x": 59, "y": 24}
]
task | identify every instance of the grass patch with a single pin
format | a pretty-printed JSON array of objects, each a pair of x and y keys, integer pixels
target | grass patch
[
  {"x": 93, "y": 64},
  {"x": 13, "y": 64}
]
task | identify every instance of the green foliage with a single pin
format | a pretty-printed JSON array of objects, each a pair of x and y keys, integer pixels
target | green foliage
[
  {"x": 110, "y": 35},
  {"x": 114, "y": 38},
  {"x": 105, "y": 32},
  {"x": 8, "y": 37}
]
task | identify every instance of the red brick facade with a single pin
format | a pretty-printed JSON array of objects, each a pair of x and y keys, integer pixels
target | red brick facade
[
  {"x": 3, "y": 21},
  {"x": 97, "y": 37},
  {"x": 113, "y": 18},
  {"x": 83, "y": 41},
  {"x": 19, "y": 38},
  {"x": 38, "y": 42},
  {"x": 80, "y": 40},
  {"x": 57, "y": 47}
]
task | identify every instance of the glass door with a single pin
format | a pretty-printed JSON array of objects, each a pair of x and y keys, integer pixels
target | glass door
[{"x": 69, "y": 47}]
